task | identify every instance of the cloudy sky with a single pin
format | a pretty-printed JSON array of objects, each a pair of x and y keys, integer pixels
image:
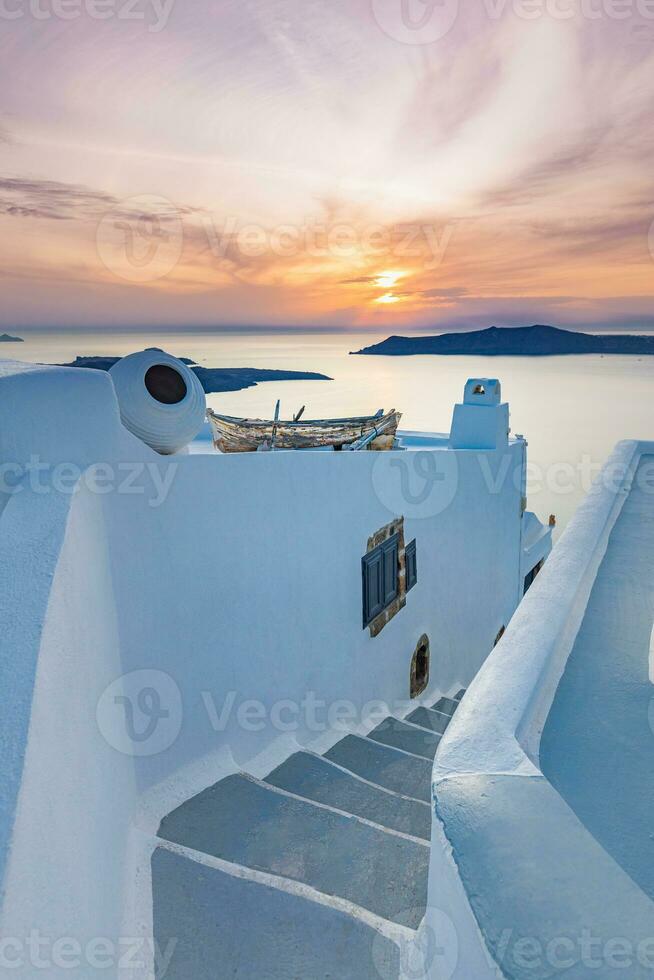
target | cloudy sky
[{"x": 347, "y": 163}]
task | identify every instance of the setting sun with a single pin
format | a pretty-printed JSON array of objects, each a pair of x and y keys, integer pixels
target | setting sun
[
  {"x": 388, "y": 279},
  {"x": 387, "y": 298}
]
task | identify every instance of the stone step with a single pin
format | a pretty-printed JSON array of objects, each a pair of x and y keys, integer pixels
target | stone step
[
  {"x": 433, "y": 721},
  {"x": 248, "y": 823},
  {"x": 388, "y": 767},
  {"x": 458, "y": 696},
  {"x": 316, "y": 778},
  {"x": 225, "y": 926},
  {"x": 409, "y": 738},
  {"x": 446, "y": 705}
]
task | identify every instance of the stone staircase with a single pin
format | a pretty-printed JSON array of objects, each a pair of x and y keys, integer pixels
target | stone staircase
[{"x": 317, "y": 872}]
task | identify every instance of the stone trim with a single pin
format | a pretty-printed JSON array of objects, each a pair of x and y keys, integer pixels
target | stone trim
[
  {"x": 417, "y": 686},
  {"x": 383, "y": 534}
]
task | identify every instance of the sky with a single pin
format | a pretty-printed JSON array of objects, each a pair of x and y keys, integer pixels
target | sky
[{"x": 352, "y": 164}]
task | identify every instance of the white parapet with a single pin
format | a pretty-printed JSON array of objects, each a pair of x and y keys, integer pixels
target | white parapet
[{"x": 518, "y": 866}]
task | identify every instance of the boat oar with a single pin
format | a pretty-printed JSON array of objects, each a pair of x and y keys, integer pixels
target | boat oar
[
  {"x": 363, "y": 441},
  {"x": 274, "y": 430}
]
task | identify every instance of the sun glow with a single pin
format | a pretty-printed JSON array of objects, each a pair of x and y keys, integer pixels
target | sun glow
[
  {"x": 388, "y": 279},
  {"x": 387, "y": 298}
]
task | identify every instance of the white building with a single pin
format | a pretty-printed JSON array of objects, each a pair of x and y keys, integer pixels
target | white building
[{"x": 224, "y": 681}]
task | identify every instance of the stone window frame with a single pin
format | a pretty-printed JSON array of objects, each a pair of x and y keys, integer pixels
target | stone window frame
[{"x": 394, "y": 527}]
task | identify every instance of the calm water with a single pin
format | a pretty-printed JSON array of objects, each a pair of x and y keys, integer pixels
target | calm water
[{"x": 571, "y": 409}]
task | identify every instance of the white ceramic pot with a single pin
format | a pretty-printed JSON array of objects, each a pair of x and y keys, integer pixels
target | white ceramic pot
[{"x": 161, "y": 400}]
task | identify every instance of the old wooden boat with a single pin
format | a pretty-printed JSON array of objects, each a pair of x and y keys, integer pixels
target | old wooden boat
[{"x": 236, "y": 435}]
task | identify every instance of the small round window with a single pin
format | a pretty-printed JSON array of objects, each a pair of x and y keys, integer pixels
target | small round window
[{"x": 165, "y": 384}]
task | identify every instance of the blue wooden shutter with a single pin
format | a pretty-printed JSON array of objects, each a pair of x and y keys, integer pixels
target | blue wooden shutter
[
  {"x": 411, "y": 561},
  {"x": 372, "y": 569},
  {"x": 379, "y": 570},
  {"x": 390, "y": 553}
]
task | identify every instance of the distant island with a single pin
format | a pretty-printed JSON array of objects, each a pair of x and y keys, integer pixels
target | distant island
[
  {"x": 6, "y": 338},
  {"x": 214, "y": 379},
  {"x": 536, "y": 341}
]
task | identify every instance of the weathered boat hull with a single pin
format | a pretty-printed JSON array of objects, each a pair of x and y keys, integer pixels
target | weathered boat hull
[{"x": 234, "y": 435}]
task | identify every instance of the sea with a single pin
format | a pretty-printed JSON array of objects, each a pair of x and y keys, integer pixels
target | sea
[{"x": 572, "y": 410}]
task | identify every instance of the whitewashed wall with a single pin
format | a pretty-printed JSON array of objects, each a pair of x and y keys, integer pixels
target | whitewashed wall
[
  {"x": 249, "y": 580},
  {"x": 232, "y": 578},
  {"x": 67, "y": 799}
]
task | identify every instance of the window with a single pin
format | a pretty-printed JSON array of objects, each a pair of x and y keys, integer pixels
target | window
[
  {"x": 411, "y": 565},
  {"x": 380, "y": 582},
  {"x": 529, "y": 578},
  {"x": 419, "y": 678}
]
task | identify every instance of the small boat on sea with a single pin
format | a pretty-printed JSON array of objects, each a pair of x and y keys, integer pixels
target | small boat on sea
[{"x": 236, "y": 435}]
